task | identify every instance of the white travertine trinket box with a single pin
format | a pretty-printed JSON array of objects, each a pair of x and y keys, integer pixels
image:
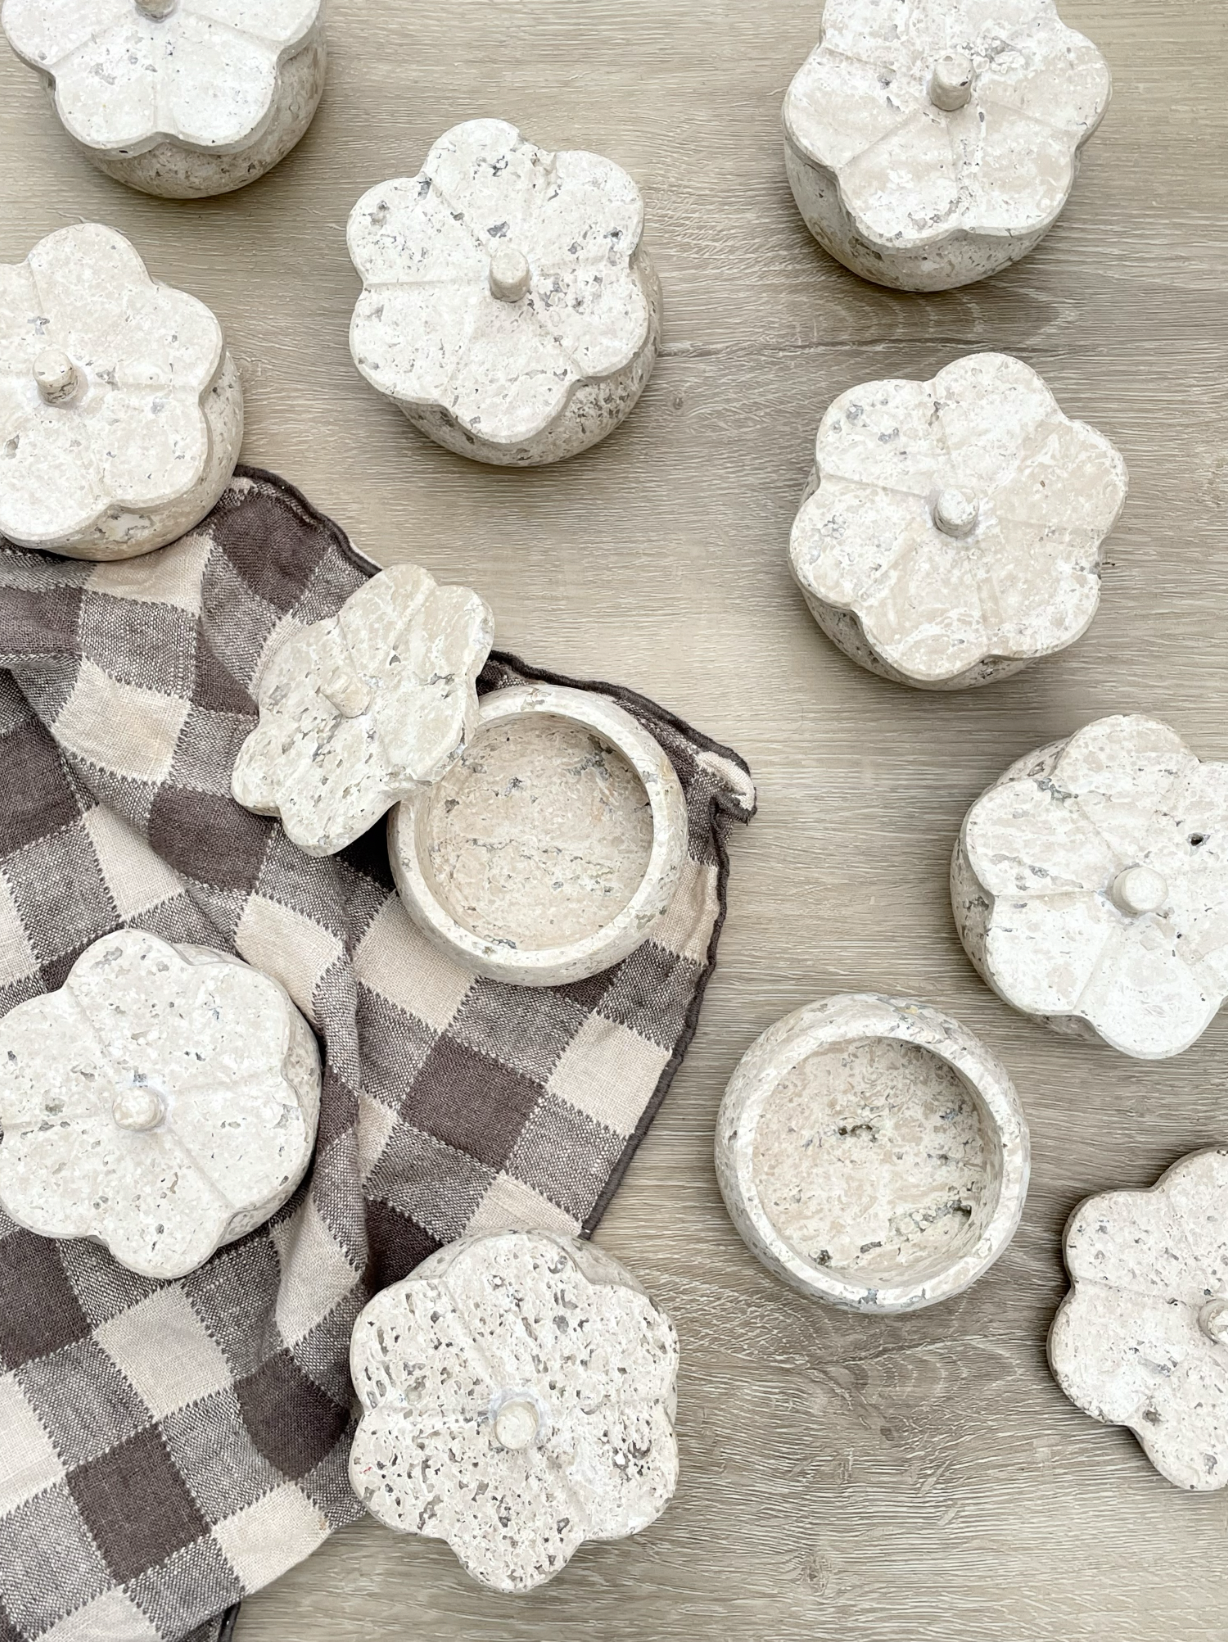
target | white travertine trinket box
[
  {"x": 121, "y": 411},
  {"x": 1141, "y": 1340},
  {"x": 518, "y": 1396},
  {"x": 952, "y": 532},
  {"x": 1090, "y": 887},
  {"x": 360, "y": 710},
  {"x": 181, "y": 98},
  {"x": 163, "y": 1102},
  {"x": 930, "y": 143},
  {"x": 873, "y": 1154},
  {"x": 551, "y": 847},
  {"x": 509, "y": 307}
]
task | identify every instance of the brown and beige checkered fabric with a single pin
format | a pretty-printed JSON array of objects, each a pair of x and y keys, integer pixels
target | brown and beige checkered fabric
[{"x": 166, "y": 1448}]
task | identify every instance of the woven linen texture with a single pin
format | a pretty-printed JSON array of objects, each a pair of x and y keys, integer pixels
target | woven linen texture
[{"x": 166, "y": 1448}]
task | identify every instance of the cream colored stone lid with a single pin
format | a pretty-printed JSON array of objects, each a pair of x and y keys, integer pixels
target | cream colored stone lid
[
  {"x": 131, "y": 73},
  {"x": 1106, "y": 868},
  {"x": 162, "y": 1101},
  {"x": 518, "y": 1395},
  {"x": 959, "y": 518},
  {"x": 941, "y": 116},
  {"x": 497, "y": 279},
  {"x": 1141, "y": 1339},
  {"x": 102, "y": 376},
  {"x": 359, "y": 710}
]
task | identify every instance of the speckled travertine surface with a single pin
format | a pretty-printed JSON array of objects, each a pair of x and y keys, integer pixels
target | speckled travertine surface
[
  {"x": 932, "y": 144},
  {"x": 509, "y": 307},
  {"x": 952, "y": 531},
  {"x": 180, "y": 98},
  {"x": 360, "y": 709},
  {"x": 871, "y": 1158},
  {"x": 121, "y": 412},
  {"x": 872, "y": 1153},
  {"x": 551, "y": 847},
  {"x": 518, "y": 1397},
  {"x": 164, "y": 1102},
  {"x": 540, "y": 832},
  {"x": 1090, "y": 887},
  {"x": 1142, "y": 1338}
]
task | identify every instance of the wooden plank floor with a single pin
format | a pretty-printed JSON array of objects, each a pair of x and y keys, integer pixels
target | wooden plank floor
[{"x": 919, "y": 1480}]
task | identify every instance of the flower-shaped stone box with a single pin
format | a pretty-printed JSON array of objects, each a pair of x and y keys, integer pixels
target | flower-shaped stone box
[
  {"x": 873, "y": 1154},
  {"x": 551, "y": 847},
  {"x": 509, "y": 307},
  {"x": 163, "y": 1102},
  {"x": 181, "y": 98},
  {"x": 1141, "y": 1340},
  {"x": 1090, "y": 887},
  {"x": 359, "y": 710},
  {"x": 121, "y": 411},
  {"x": 518, "y": 1397},
  {"x": 953, "y": 528},
  {"x": 931, "y": 144}
]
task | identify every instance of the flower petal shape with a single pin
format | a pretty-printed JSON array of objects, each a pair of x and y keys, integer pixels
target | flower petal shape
[
  {"x": 205, "y": 75},
  {"x": 498, "y": 282},
  {"x": 518, "y": 1396},
  {"x": 163, "y": 1102},
  {"x": 359, "y": 710},
  {"x": 132, "y": 432},
  {"x": 1141, "y": 1340},
  {"x": 925, "y": 187},
  {"x": 1102, "y": 871},
  {"x": 942, "y": 602}
]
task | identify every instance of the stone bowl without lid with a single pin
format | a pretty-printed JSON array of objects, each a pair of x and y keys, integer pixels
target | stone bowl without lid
[
  {"x": 553, "y": 845},
  {"x": 873, "y": 1154}
]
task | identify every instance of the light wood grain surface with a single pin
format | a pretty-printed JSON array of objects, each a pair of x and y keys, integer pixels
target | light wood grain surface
[{"x": 917, "y": 1480}]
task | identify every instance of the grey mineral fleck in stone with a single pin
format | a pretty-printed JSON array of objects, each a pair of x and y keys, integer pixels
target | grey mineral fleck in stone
[
  {"x": 509, "y": 307},
  {"x": 363, "y": 708},
  {"x": 552, "y": 847},
  {"x": 873, "y": 1154},
  {"x": 180, "y": 98},
  {"x": 1142, "y": 1337},
  {"x": 164, "y": 1102},
  {"x": 1090, "y": 887},
  {"x": 121, "y": 412},
  {"x": 952, "y": 531},
  {"x": 932, "y": 145},
  {"x": 540, "y": 832},
  {"x": 518, "y": 1396}
]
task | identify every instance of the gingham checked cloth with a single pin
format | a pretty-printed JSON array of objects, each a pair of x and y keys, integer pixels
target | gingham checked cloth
[{"x": 167, "y": 1448}]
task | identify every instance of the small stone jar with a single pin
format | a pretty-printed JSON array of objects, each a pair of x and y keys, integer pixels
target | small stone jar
[
  {"x": 518, "y": 1395},
  {"x": 1090, "y": 887},
  {"x": 952, "y": 531},
  {"x": 181, "y": 98},
  {"x": 873, "y": 1154},
  {"x": 1141, "y": 1340},
  {"x": 509, "y": 307},
  {"x": 121, "y": 410},
  {"x": 931, "y": 145},
  {"x": 163, "y": 1102},
  {"x": 551, "y": 847}
]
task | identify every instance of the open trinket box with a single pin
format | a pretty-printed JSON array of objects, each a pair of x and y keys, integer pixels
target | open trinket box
[
  {"x": 932, "y": 144},
  {"x": 181, "y": 98},
  {"x": 873, "y": 1154},
  {"x": 536, "y": 835},
  {"x": 121, "y": 409}
]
